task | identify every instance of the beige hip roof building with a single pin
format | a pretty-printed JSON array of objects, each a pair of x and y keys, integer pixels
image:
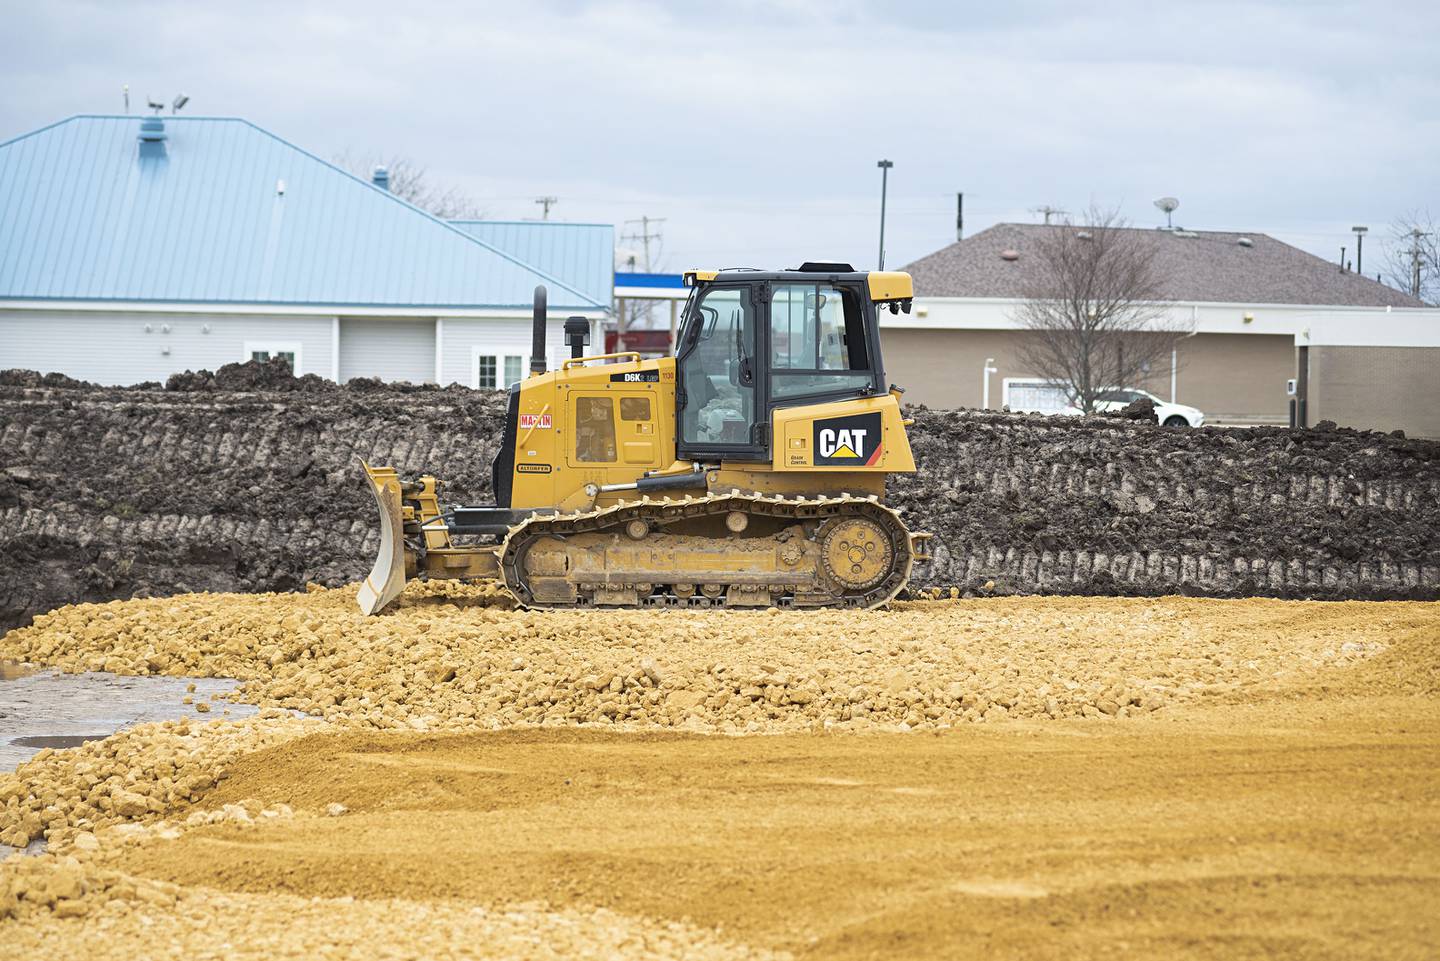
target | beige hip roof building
[{"x": 1256, "y": 313}]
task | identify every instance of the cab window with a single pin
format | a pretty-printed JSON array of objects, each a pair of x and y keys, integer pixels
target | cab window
[
  {"x": 594, "y": 430},
  {"x": 817, "y": 341}
]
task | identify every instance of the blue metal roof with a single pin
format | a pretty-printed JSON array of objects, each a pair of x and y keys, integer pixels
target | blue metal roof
[
  {"x": 230, "y": 213},
  {"x": 582, "y": 255}
]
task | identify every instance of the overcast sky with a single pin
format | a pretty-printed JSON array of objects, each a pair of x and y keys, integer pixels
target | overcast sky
[{"x": 753, "y": 128}]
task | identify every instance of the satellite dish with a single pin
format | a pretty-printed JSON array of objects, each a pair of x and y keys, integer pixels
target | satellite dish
[{"x": 1167, "y": 204}]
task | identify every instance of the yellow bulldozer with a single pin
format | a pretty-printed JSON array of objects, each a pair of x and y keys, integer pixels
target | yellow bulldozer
[{"x": 748, "y": 470}]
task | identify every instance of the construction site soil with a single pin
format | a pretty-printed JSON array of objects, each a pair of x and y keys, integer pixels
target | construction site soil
[
  {"x": 247, "y": 480},
  {"x": 1019, "y": 777}
]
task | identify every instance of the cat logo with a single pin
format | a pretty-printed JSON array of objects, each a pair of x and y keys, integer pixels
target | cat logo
[
  {"x": 852, "y": 441},
  {"x": 835, "y": 443}
]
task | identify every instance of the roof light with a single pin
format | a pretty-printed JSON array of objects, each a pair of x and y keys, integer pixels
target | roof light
[{"x": 1009, "y": 254}]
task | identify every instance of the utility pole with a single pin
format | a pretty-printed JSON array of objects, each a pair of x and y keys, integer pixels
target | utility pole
[
  {"x": 1360, "y": 249},
  {"x": 1047, "y": 212},
  {"x": 546, "y": 203},
  {"x": 1415, "y": 235},
  {"x": 959, "y": 217},
  {"x": 645, "y": 236},
  {"x": 884, "y": 166}
]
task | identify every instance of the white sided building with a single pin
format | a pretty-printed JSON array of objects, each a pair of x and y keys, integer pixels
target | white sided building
[{"x": 134, "y": 248}]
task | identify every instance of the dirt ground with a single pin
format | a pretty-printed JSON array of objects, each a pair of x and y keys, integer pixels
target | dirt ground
[
  {"x": 1244, "y": 833},
  {"x": 1219, "y": 779}
]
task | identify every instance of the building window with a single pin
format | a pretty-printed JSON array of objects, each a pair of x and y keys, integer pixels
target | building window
[
  {"x": 264, "y": 351},
  {"x": 497, "y": 371}
]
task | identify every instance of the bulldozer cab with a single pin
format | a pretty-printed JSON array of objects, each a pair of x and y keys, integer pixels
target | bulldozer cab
[{"x": 754, "y": 342}]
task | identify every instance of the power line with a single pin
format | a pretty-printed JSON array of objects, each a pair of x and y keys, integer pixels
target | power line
[{"x": 546, "y": 203}]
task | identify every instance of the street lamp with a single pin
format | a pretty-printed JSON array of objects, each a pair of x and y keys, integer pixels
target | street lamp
[
  {"x": 990, "y": 368},
  {"x": 884, "y": 166},
  {"x": 1359, "y": 249}
]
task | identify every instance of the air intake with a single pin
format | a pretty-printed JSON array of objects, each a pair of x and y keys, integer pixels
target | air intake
[{"x": 152, "y": 138}]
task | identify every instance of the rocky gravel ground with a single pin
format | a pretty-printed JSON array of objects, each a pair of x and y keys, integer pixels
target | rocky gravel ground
[
  {"x": 445, "y": 667},
  {"x": 440, "y": 663},
  {"x": 247, "y": 480}
]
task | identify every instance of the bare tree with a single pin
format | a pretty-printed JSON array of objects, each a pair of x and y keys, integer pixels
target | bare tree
[
  {"x": 1412, "y": 256},
  {"x": 410, "y": 181},
  {"x": 1092, "y": 308}
]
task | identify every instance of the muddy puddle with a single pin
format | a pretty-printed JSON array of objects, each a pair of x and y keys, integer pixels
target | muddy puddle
[{"x": 42, "y": 709}]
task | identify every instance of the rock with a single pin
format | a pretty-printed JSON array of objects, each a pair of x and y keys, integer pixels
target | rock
[
  {"x": 335, "y": 809},
  {"x": 129, "y": 804},
  {"x": 684, "y": 700},
  {"x": 71, "y": 909},
  {"x": 896, "y": 681}
]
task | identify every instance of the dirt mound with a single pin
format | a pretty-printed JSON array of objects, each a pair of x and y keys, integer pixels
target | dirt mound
[{"x": 247, "y": 479}]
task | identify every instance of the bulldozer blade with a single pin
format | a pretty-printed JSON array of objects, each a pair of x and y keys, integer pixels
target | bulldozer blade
[{"x": 387, "y": 578}]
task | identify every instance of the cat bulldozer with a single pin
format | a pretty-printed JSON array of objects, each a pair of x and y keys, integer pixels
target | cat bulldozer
[{"x": 747, "y": 470}]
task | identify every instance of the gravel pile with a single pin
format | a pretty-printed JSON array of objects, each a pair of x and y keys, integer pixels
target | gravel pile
[
  {"x": 132, "y": 777},
  {"x": 441, "y": 662}
]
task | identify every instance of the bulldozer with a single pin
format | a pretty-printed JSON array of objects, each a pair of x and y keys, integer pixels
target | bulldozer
[{"x": 746, "y": 470}]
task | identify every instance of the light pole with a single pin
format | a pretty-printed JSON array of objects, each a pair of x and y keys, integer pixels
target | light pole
[
  {"x": 990, "y": 368},
  {"x": 1360, "y": 249},
  {"x": 884, "y": 166}
]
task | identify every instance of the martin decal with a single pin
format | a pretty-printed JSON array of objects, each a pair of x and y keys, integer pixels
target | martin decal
[
  {"x": 852, "y": 441},
  {"x": 534, "y": 421}
]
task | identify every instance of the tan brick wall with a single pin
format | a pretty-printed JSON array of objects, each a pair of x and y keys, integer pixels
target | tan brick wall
[
  {"x": 1378, "y": 388},
  {"x": 1228, "y": 376}
]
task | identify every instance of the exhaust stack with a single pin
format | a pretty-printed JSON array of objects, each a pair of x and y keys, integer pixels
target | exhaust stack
[{"x": 537, "y": 345}]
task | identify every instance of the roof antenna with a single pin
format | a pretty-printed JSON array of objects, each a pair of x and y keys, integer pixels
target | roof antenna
[
  {"x": 154, "y": 105},
  {"x": 1167, "y": 204}
]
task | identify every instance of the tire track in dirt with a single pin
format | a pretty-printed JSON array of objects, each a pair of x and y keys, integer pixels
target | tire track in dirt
[{"x": 247, "y": 480}]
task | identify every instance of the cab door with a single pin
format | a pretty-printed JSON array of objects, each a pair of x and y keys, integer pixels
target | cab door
[{"x": 718, "y": 378}]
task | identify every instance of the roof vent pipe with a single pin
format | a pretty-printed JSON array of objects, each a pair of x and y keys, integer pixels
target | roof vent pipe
[
  {"x": 380, "y": 177},
  {"x": 537, "y": 344},
  {"x": 152, "y": 137}
]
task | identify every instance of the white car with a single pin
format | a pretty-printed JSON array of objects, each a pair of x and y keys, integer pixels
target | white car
[{"x": 1171, "y": 415}]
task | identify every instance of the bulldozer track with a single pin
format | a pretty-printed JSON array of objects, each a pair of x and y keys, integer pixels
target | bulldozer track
[{"x": 813, "y": 512}]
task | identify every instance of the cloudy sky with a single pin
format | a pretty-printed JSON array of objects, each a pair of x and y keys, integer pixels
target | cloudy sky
[{"x": 753, "y": 128}]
